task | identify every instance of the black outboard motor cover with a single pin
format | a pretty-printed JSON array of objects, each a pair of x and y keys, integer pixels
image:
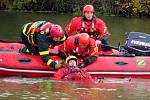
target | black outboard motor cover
[{"x": 138, "y": 43}]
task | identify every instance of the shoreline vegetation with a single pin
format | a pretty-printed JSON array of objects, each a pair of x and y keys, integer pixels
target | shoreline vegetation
[{"x": 102, "y": 7}]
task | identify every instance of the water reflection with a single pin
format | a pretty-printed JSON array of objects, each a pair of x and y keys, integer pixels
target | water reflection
[{"x": 44, "y": 89}]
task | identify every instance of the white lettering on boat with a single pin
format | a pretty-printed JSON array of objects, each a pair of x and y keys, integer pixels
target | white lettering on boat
[{"x": 140, "y": 43}]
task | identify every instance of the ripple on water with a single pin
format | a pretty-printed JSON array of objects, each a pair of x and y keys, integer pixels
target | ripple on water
[{"x": 6, "y": 94}]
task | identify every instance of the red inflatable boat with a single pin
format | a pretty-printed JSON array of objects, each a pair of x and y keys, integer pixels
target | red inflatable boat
[{"x": 12, "y": 63}]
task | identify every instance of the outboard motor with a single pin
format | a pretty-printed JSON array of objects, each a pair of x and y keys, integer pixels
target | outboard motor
[{"x": 138, "y": 43}]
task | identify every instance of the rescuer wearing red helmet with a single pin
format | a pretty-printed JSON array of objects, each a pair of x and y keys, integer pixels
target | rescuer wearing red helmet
[
  {"x": 39, "y": 36},
  {"x": 81, "y": 46},
  {"x": 89, "y": 23}
]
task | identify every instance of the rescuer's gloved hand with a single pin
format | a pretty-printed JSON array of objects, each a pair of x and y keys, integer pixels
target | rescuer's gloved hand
[
  {"x": 81, "y": 65},
  {"x": 58, "y": 65},
  {"x": 98, "y": 42}
]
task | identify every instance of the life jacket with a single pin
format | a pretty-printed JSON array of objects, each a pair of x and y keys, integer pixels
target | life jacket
[
  {"x": 91, "y": 30},
  {"x": 31, "y": 29},
  {"x": 71, "y": 47},
  {"x": 75, "y": 73}
]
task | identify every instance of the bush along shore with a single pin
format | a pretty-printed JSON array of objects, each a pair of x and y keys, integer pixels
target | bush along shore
[{"x": 105, "y": 7}]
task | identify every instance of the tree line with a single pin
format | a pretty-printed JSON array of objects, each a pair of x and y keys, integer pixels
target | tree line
[{"x": 107, "y": 7}]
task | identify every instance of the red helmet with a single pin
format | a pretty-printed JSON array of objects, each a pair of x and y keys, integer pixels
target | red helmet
[
  {"x": 56, "y": 31},
  {"x": 88, "y": 8},
  {"x": 83, "y": 39}
]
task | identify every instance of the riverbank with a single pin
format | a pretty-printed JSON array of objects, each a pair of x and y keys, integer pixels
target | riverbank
[
  {"x": 54, "y": 12},
  {"x": 104, "y": 7}
]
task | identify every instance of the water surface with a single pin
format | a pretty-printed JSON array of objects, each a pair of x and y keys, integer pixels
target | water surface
[
  {"x": 15, "y": 88},
  {"x": 11, "y": 23}
]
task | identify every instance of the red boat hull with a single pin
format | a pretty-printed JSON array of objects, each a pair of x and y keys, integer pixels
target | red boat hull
[{"x": 13, "y": 63}]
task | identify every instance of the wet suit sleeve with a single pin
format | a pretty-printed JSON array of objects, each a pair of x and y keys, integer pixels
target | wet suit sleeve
[
  {"x": 105, "y": 43},
  {"x": 102, "y": 28},
  {"x": 105, "y": 37},
  {"x": 64, "y": 49},
  {"x": 71, "y": 27},
  {"x": 93, "y": 54},
  {"x": 88, "y": 61},
  {"x": 59, "y": 74},
  {"x": 43, "y": 46}
]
